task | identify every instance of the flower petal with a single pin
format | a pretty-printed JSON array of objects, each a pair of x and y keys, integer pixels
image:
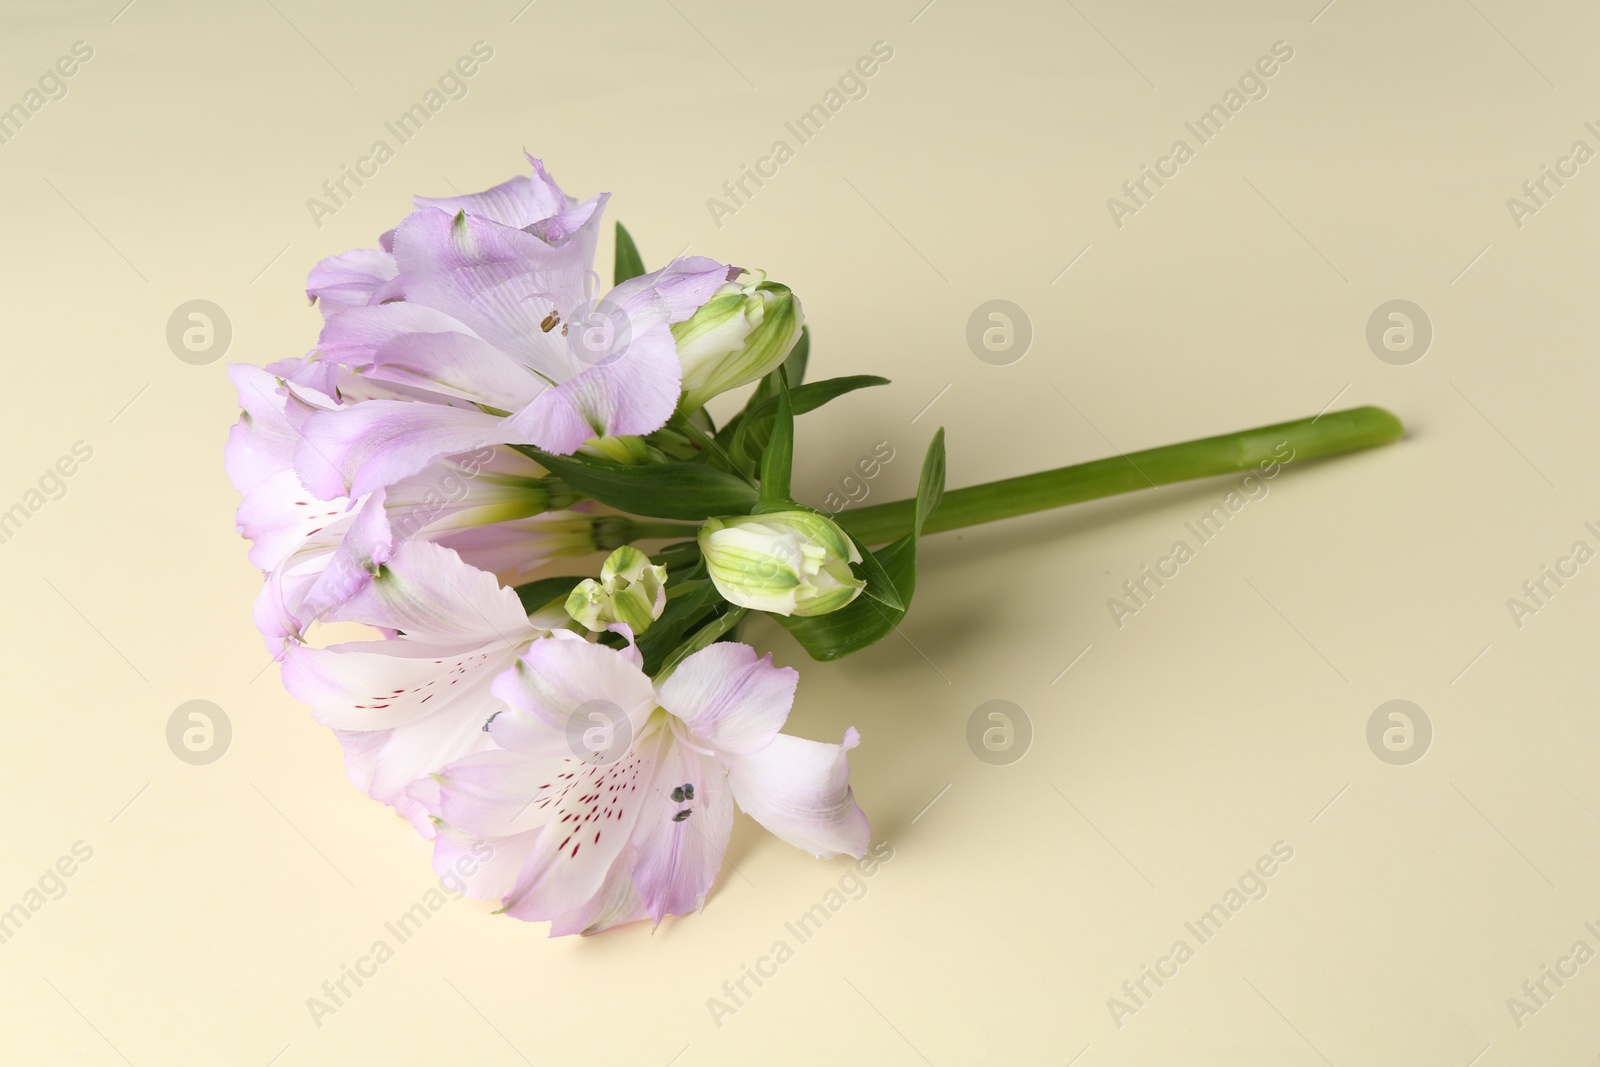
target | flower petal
[
  {"x": 349, "y": 279},
  {"x": 357, "y": 449},
  {"x": 632, "y": 390},
  {"x": 616, "y": 902},
  {"x": 566, "y": 684},
  {"x": 379, "y": 685},
  {"x": 499, "y": 793},
  {"x": 681, "y": 843},
  {"x": 520, "y": 202},
  {"x": 502, "y": 283},
  {"x": 590, "y": 823},
  {"x": 457, "y": 365},
  {"x": 800, "y": 790},
  {"x": 486, "y": 867},
  {"x": 279, "y": 516},
  {"x": 516, "y": 549},
  {"x": 673, "y": 293},
  {"x": 729, "y": 697},
  {"x": 430, "y": 594}
]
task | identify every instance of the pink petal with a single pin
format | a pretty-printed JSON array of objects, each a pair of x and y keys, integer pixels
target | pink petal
[
  {"x": 430, "y": 594},
  {"x": 632, "y": 390},
  {"x": 564, "y": 687},
  {"x": 379, "y": 685},
  {"x": 487, "y": 867},
  {"x": 279, "y": 516},
  {"x": 349, "y": 279},
  {"x": 680, "y": 854},
  {"x": 673, "y": 293},
  {"x": 731, "y": 698},
  {"x": 800, "y": 790},
  {"x": 614, "y": 903},
  {"x": 514, "y": 550},
  {"x": 518, "y": 203},
  {"x": 457, "y": 365},
  {"x": 502, "y": 283},
  {"x": 590, "y": 823},
  {"x": 353, "y": 337},
  {"x": 499, "y": 793},
  {"x": 357, "y": 449}
]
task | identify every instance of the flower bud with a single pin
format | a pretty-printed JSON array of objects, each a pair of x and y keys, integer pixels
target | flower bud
[
  {"x": 787, "y": 562},
  {"x": 629, "y": 591},
  {"x": 740, "y": 334}
]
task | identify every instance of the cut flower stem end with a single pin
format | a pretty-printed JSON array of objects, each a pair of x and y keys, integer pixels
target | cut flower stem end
[{"x": 1282, "y": 443}]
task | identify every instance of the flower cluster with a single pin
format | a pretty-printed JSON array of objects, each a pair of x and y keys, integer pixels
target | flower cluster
[{"x": 475, "y": 411}]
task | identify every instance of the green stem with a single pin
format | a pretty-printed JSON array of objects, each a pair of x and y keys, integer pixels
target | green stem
[
  {"x": 703, "y": 638},
  {"x": 614, "y": 531},
  {"x": 1257, "y": 449}
]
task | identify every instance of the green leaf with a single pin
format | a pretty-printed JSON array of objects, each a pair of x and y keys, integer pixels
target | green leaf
[
  {"x": 880, "y": 586},
  {"x": 777, "y": 462},
  {"x": 711, "y": 451},
  {"x": 682, "y": 612},
  {"x": 930, "y": 486},
  {"x": 690, "y": 491},
  {"x": 704, "y": 637},
  {"x": 680, "y": 557},
  {"x": 546, "y": 591},
  {"x": 794, "y": 365},
  {"x": 865, "y": 621},
  {"x": 629, "y": 263}
]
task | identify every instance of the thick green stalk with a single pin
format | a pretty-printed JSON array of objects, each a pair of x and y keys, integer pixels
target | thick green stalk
[{"x": 1284, "y": 443}]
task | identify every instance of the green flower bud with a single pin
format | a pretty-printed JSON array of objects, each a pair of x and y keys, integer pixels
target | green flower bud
[
  {"x": 787, "y": 562},
  {"x": 743, "y": 332},
  {"x": 629, "y": 591}
]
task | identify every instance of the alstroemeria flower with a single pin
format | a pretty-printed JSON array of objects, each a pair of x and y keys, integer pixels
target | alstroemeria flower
[
  {"x": 490, "y": 326},
  {"x": 405, "y": 707},
  {"x": 316, "y": 554},
  {"x": 611, "y": 798}
]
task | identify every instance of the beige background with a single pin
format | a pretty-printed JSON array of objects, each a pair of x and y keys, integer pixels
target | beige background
[{"x": 1228, "y": 715}]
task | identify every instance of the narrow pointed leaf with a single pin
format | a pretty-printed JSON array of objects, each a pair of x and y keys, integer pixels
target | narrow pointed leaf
[
  {"x": 629, "y": 263},
  {"x": 681, "y": 613},
  {"x": 865, "y": 620},
  {"x": 777, "y": 462},
  {"x": 880, "y": 586},
  {"x": 689, "y": 491},
  {"x": 930, "y": 486},
  {"x": 546, "y": 591}
]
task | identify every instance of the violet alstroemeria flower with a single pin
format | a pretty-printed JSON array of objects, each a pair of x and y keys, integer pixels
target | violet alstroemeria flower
[
  {"x": 610, "y": 798},
  {"x": 494, "y": 506},
  {"x": 405, "y": 707},
  {"x": 489, "y": 328}
]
